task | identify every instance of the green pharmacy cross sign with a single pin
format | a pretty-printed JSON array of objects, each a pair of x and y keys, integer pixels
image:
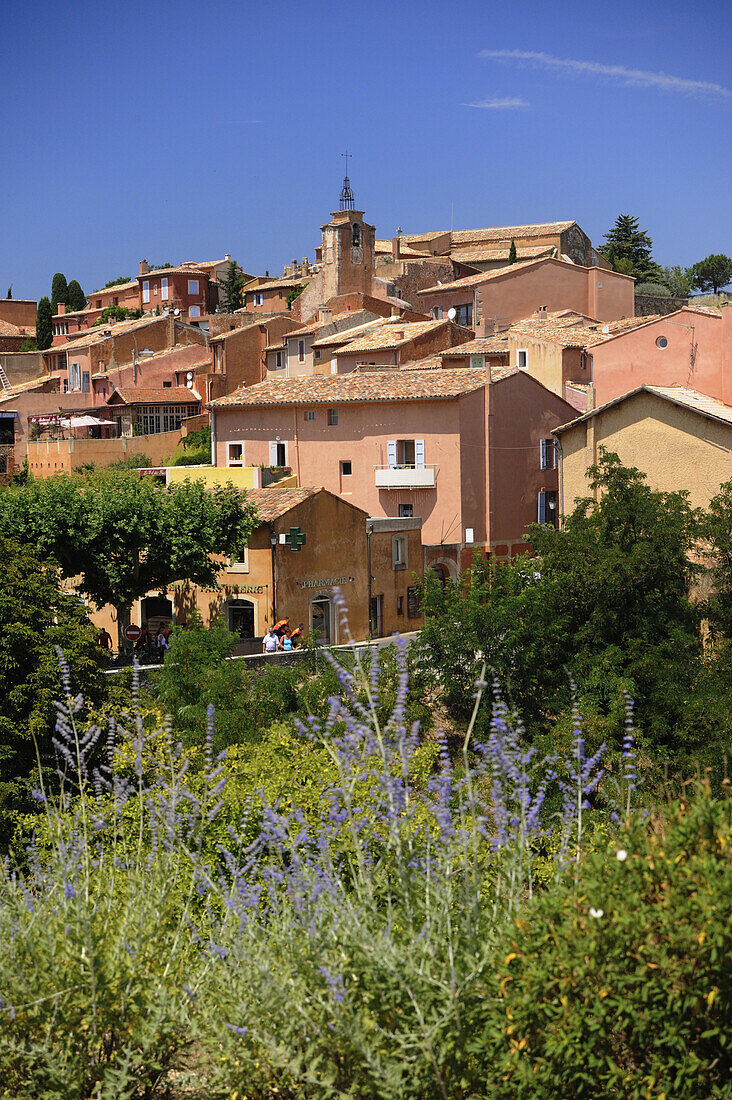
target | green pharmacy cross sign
[{"x": 295, "y": 539}]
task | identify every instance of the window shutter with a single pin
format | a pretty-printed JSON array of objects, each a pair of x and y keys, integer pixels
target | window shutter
[
  {"x": 273, "y": 454},
  {"x": 419, "y": 454},
  {"x": 543, "y": 454},
  {"x": 541, "y": 516},
  {"x": 391, "y": 453}
]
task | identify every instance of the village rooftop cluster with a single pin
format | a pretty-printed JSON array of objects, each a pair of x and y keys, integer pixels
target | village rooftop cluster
[{"x": 393, "y": 405}]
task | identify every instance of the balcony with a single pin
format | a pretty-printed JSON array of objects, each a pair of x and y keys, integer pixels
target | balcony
[{"x": 405, "y": 477}]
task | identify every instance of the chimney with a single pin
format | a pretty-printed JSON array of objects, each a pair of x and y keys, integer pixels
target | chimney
[
  {"x": 483, "y": 329},
  {"x": 60, "y": 308},
  {"x": 227, "y": 257},
  {"x": 144, "y": 267},
  {"x": 396, "y": 245}
]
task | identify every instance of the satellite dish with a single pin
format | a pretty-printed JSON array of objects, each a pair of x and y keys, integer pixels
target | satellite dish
[
  {"x": 605, "y": 330},
  {"x": 189, "y": 384},
  {"x": 176, "y": 312},
  {"x": 189, "y": 376},
  {"x": 452, "y": 313}
]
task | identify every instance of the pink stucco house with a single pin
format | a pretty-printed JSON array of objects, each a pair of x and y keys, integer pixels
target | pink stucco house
[{"x": 470, "y": 454}]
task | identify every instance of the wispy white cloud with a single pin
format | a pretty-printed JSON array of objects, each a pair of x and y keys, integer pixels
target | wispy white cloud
[
  {"x": 508, "y": 103},
  {"x": 639, "y": 78}
]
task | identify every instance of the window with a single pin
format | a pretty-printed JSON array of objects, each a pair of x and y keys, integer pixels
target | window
[
  {"x": 161, "y": 418},
  {"x": 332, "y": 418},
  {"x": 257, "y": 299},
  {"x": 278, "y": 360},
  {"x": 241, "y": 566},
  {"x": 464, "y": 315},
  {"x": 661, "y": 342},
  {"x": 346, "y": 468},
  {"x": 241, "y": 618},
  {"x": 164, "y": 293},
  {"x": 356, "y": 235},
  {"x": 547, "y": 508},
  {"x": 219, "y": 359},
  {"x": 193, "y": 286},
  {"x": 400, "y": 605},
  {"x": 194, "y": 311},
  {"x": 310, "y": 414},
  {"x": 437, "y": 313},
  {"x": 522, "y": 359},
  {"x": 399, "y": 552},
  {"x": 469, "y": 535},
  {"x": 316, "y": 353},
  {"x": 547, "y": 454},
  {"x": 146, "y": 291},
  {"x": 407, "y": 453},
  {"x": 406, "y": 511},
  {"x": 85, "y": 381},
  {"x": 301, "y": 351},
  {"x": 74, "y": 376},
  {"x": 278, "y": 454},
  {"x": 235, "y": 454},
  {"x": 477, "y": 361}
]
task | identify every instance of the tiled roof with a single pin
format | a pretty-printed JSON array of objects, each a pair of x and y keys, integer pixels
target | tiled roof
[
  {"x": 488, "y": 345},
  {"x": 678, "y": 395},
  {"x": 493, "y": 233},
  {"x": 432, "y": 362},
  {"x": 345, "y": 336},
  {"x": 389, "y": 335},
  {"x": 193, "y": 270},
  {"x": 369, "y": 386},
  {"x": 482, "y": 254},
  {"x": 279, "y": 284},
  {"x": 483, "y": 277},
  {"x": 7, "y": 329},
  {"x": 96, "y": 334},
  {"x": 112, "y": 290},
  {"x": 692, "y": 399},
  {"x": 168, "y": 395},
  {"x": 273, "y": 503},
  {"x": 572, "y": 331}
]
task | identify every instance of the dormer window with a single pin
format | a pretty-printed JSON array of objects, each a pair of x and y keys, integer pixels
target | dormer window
[{"x": 356, "y": 235}]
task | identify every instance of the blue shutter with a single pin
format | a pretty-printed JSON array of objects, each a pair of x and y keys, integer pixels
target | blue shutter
[
  {"x": 419, "y": 454},
  {"x": 541, "y": 512},
  {"x": 391, "y": 453}
]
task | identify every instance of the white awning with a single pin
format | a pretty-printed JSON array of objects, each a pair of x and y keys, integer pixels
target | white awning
[{"x": 85, "y": 422}]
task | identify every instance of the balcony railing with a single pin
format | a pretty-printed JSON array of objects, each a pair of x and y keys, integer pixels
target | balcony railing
[{"x": 405, "y": 477}]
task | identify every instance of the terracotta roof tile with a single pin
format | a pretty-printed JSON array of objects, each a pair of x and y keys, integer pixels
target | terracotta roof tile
[
  {"x": 141, "y": 395},
  {"x": 483, "y": 276},
  {"x": 111, "y": 290},
  {"x": 488, "y": 345},
  {"x": 358, "y": 386},
  {"x": 484, "y": 254},
  {"x": 390, "y": 335},
  {"x": 8, "y": 329},
  {"x": 493, "y": 233},
  {"x": 678, "y": 395}
]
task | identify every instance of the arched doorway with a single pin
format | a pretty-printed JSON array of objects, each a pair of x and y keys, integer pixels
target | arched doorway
[
  {"x": 321, "y": 619},
  {"x": 241, "y": 619}
]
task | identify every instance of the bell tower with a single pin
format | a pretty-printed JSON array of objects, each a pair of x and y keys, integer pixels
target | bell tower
[{"x": 348, "y": 247}]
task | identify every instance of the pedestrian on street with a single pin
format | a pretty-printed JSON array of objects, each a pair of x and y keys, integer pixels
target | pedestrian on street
[{"x": 270, "y": 642}]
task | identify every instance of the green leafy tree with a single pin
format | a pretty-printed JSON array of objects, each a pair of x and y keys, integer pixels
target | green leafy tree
[
  {"x": 123, "y": 536},
  {"x": 35, "y": 616},
  {"x": 118, "y": 281},
  {"x": 512, "y": 252},
  {"x": 59, "y": 290},
  {"x": 76, "y": 296},
  {"x": 679, "y": 280},
  {"x": 29, "y": 344},
  {"x": 44, "y": 324},
  {"x": 713, "y": 273},
  {"x": 231, "y": 288},
  {"x": 628, "y": 249},
  {"x": 10, "y": 291},
  {"x": 605, "y": 600},
  {"x": 718, "y": 532}
]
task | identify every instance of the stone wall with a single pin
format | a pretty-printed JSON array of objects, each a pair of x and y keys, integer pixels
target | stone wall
[{"x": 648, "y": 304}]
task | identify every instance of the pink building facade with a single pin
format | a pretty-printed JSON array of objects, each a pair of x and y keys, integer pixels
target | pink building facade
[
  {"x": 691, "y": 348},
  {"x": 473, "y": 459},
  {"x": 510, "y": 294}
]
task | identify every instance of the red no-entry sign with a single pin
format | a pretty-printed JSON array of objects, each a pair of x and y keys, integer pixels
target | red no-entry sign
[{"x": 132, "y": 633}]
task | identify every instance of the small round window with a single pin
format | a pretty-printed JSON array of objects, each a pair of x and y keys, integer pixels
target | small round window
[{"x": 661, "y": 342}]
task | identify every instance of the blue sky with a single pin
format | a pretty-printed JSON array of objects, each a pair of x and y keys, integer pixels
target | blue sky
[{"x": 186, "y": 129}]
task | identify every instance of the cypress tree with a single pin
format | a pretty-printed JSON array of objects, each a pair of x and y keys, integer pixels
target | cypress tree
[
  {"x": 44, "y": 325},
  {"x": 76, "y": 296},
  {"x": 512, "y": 252},
  {"x": 59, "y": 291},
  {"x": 10, "y": 291}
]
